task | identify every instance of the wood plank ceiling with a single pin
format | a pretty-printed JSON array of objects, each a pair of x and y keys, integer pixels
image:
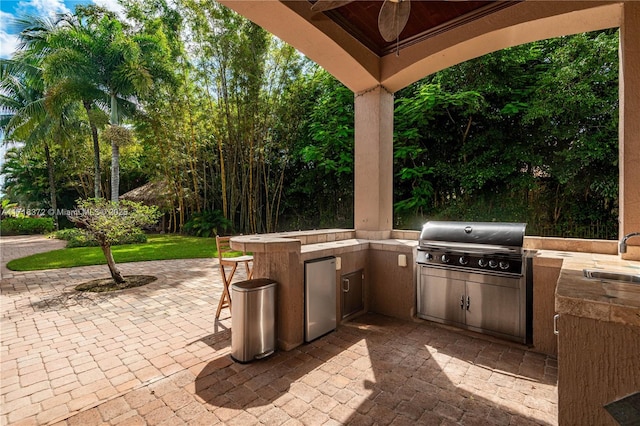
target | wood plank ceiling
[{"x": 428, "y": 17}]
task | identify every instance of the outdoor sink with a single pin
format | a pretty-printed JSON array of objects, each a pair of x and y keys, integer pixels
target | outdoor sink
[{"x": 612, "y": 276}]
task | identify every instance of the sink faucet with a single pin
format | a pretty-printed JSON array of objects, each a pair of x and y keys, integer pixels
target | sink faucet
[{"x": 623, "y": 242}]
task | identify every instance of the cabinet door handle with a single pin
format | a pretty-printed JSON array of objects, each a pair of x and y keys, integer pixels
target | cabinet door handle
[
  {"x": 345, "y": 280},
  {"x": 468, "y": 302},
  {"x": 555, "y": 324},
  {"x": 462, "y": 302}
]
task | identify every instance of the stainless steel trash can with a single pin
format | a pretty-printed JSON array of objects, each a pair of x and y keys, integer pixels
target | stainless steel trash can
[{"x": 253, "y": 319}]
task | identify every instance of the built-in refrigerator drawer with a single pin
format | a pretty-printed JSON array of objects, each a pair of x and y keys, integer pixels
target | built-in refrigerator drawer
[{"x": 319, "y": 297}]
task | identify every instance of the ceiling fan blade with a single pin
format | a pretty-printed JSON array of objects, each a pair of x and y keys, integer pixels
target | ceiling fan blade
[
  {"x": 393, "y": 17},
  {"x": 324, "y": 5}
]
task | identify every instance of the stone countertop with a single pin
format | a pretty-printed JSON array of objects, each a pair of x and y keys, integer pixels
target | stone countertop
[
  {"x": 314, "y": 241},
  {"x": 351, "y": 245},
  {"x": 264, "y": 243},
  {"x": 288, "y": 241},
  {"x": 598, "y": 299}
]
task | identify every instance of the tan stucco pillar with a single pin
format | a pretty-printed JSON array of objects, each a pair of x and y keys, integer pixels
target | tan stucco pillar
[
  {"x": 630, "y": 126},
  {"x": 373, "y": 208}
]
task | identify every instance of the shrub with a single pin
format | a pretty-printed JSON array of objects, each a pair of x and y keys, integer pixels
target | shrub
[
  {"x": 207, "y": 224},
  {"x": 26, "y": 225},
  {"x": 81, "y": 239},
  {"x": 78, "y": 238},
  {"x": 66, "y": 234}
]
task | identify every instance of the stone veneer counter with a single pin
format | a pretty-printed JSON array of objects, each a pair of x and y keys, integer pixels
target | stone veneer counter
[
  {"x": 597, "y": 299},
  {"x": 346, "y": 246},
  {"x": 330, "y": 240},
  {"x": 287, "y": 241}
]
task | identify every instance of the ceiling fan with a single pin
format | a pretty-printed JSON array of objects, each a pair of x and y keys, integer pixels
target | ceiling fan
[{"x": 392, "y": 19}]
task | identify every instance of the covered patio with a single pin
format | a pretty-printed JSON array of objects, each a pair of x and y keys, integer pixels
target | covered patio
[
  {"x": 155, "y": 355},
  {"x": 346, "y": 42}
]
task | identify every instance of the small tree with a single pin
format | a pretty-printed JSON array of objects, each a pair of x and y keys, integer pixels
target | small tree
[{"x": 108, "y": 222}]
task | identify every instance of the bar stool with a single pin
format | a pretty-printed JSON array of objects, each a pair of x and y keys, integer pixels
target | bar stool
[{"x": 224, "y": 247}]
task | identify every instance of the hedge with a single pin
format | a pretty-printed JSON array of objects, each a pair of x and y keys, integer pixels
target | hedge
[{"x": 26, "y": 225}]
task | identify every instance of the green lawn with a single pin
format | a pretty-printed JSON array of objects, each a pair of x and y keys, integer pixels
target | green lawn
[{"x": 158, "y": 247}]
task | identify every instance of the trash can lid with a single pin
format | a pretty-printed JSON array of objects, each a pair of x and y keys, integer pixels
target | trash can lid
[{"x": 256, "y": 284}]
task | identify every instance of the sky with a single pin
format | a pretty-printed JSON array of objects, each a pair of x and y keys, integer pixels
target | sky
[{"x": 9, "y": 9}]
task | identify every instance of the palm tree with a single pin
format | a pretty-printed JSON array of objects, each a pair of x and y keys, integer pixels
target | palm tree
[
  {"x": 23, "y": 115},
  {"x": 69, "y": 71},
  {"x": 36, "y": 39},
  {"x": 93, "y": 58},
  {"x": 89, "y": 57}
]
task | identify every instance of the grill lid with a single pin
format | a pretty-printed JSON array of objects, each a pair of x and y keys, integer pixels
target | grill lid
[{"x": 490, "y": 233}]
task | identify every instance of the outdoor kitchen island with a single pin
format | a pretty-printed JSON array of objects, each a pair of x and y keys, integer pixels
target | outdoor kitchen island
[
  {"x": 598, "y": 337},
  {"x": 388, "y": 271},
  {"x": 387, "y": 268},
  {"x": 598, "y": 345}
]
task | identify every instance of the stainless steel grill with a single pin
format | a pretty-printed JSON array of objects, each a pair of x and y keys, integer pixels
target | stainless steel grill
[{"x": 475, "y": 275}]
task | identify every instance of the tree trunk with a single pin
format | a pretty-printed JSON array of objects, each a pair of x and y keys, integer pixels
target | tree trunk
[
  {"x": 52, "y": 185},
  {"x": 115, "y": 273},
  {"x": 193, "y": 155},
  {"x": 115, "y": 153},
  {"x": 96, "y": 151},
  {"x": 115, "y": 171}
]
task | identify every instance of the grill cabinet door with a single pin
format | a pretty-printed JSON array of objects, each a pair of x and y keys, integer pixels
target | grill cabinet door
[
  {"x": 352, "y": 300},
  {"x": 493, "y": 307},
  {"x": 439, "y": 298}
]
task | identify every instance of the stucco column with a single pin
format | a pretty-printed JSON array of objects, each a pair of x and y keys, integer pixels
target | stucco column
[
  {"x": 373, "y": 208},
  {"x": 630, "y": 126}
]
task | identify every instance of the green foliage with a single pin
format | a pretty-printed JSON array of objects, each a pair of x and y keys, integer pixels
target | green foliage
[
  {"x": 207, "y": 224},
  {"x": 86, "y": 240},
  {"x": 331, "y": 128},
  {"x": 8, "y": 208},
  {"x": 419, "y": 113},
  {"x": 486, "y": 209},
  {"x": 319, "y": 181},
  {"x": 82, "y": 239},
  {"x": 25, "y": 177},
  {"x": 234, "y": 120},
  {"x": 109, "y": 222},
  {"x": 26, "y": 225},
  {"x": 79, "y": 238},
  {"x": 66, "y": 234},
  {"x": 527, "y": 133},
  {"x": 576, "y": 113}
]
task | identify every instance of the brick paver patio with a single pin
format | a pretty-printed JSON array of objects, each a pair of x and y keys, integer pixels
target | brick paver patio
[{"x": 156, "y": 355}]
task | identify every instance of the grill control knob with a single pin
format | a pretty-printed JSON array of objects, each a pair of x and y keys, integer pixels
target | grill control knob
[
  {"x": 463, "y": 260},
  {"x": 428, "y": 256},
  {"x": 493, "y": 264},
  {"x": 504, "y": 265},
  {"x": 445, "y": 258},
  {"x": 482, "y": 263}
]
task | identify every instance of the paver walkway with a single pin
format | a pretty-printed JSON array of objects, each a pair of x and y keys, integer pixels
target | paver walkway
[{"x": 155, "y": 355}]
